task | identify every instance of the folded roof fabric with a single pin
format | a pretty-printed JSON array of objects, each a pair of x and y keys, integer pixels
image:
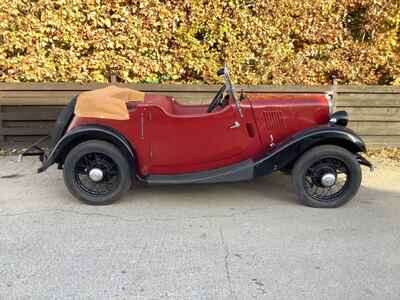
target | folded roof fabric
[{"x": 107, "y": 103}]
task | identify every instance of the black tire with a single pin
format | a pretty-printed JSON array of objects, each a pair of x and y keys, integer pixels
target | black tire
[
  {"x": 311, "y": 166},
  {"x": 104, "y": 156}
]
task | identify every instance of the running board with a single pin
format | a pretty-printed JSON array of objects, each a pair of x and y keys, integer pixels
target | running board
[{"x": 233, "y": 173}]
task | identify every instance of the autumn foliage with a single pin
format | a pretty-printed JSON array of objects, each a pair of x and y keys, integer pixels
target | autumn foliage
[{"x": 263, "y": 42}]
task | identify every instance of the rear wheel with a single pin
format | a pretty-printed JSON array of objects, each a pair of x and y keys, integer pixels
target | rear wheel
[
  {"x": 97, "y": 173},
  {"x": 326, "y": 176}
]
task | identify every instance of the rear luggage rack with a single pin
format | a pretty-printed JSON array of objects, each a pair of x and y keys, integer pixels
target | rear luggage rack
[{"x": 35, "y": 150}]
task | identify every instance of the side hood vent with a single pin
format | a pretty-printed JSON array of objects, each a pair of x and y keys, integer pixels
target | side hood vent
[{"x": 274, "y": 119}]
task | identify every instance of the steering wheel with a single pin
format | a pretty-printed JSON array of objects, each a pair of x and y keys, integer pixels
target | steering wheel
[{"x": 217, "y": 99}]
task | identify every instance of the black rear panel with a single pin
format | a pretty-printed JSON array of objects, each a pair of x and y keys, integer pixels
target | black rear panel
[{"x": 63, "y": 120}]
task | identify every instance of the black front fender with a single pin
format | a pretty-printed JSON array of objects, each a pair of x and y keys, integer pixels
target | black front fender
[
  {"x": 84, "y": 133},
  {"x": 287, "y": 152}
]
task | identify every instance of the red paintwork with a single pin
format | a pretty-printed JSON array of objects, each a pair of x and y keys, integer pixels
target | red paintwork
[{"x": 170, "y": 138}]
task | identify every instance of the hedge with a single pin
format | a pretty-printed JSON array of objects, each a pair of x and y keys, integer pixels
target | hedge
[{"x": 263, "y": 42}]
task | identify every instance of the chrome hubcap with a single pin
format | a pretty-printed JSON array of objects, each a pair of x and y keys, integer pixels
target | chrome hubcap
[
  {"x": 328, "y": 180},
  {"x": 96, "y": 175}
]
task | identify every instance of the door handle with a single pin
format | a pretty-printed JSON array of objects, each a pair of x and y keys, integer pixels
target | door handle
[{"x": 235, "y": 125}]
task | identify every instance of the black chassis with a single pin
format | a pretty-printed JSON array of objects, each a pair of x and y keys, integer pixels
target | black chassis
[{"x": 281, "y": 157}]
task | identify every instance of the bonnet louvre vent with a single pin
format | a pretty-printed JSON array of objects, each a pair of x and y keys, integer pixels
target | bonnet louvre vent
[{"x": 273, "y": 119}]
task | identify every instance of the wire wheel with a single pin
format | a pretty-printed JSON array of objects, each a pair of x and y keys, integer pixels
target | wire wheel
[
  {"x": 326, "y": 179},
  {"x": 97, "y": 174}
]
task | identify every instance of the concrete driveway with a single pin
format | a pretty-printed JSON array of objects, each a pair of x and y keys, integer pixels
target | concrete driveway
[{"x": 223, "y": 241}]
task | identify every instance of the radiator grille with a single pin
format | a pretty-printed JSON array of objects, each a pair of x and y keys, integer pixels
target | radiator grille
[{"x": 273, "y": 119}]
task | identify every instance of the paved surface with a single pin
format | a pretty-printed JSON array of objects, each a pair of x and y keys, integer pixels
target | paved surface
[{"x": 225, "y": 241}]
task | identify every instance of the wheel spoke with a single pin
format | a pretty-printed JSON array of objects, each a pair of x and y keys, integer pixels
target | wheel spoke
[
  {"x": 313, "y": 179},
  {"x": 102, "y": 162}
]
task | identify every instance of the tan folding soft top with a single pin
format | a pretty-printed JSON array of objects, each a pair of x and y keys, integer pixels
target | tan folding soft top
[{"x": 107, "y": 103}]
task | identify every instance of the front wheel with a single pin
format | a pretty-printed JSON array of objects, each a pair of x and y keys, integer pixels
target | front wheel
[
  {"x": 97, "y": 173},
  {"x": 326, "y": 176}
]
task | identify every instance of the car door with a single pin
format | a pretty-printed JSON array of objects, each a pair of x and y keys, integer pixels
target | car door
[{"x": 191, "y": 143}]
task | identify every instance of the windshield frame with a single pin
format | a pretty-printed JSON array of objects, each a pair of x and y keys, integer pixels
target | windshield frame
[{"x": 231, "y": 90}]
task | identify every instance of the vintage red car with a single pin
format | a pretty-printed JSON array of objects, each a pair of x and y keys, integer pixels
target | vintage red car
[{"x": 237, "y": 137}]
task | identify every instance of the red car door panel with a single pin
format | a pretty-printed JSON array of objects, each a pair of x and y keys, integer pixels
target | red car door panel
[{"x": 191, "y": 143}]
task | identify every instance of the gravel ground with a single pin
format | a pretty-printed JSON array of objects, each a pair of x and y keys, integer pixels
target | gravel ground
[{"x": 222, "y": 241}]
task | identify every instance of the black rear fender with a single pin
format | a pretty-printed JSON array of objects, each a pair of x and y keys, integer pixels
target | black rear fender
[
  {"x": 82, "y": 134},
  {"x": 63, "y": 120},
  {"x": 283, "y": 156}
]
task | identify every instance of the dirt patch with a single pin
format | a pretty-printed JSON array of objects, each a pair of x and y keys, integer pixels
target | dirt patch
[{"x": 11, "y": 176}]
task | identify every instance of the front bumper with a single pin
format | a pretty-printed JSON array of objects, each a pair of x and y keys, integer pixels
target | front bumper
[{"x": 363, "y": 161}]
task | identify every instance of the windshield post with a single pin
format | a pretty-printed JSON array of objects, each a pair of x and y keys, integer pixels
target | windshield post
[{"x": 231, "y": 90}]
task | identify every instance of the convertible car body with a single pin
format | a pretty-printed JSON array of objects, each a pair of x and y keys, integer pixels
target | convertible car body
[{"x": 154, "y": 139}]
